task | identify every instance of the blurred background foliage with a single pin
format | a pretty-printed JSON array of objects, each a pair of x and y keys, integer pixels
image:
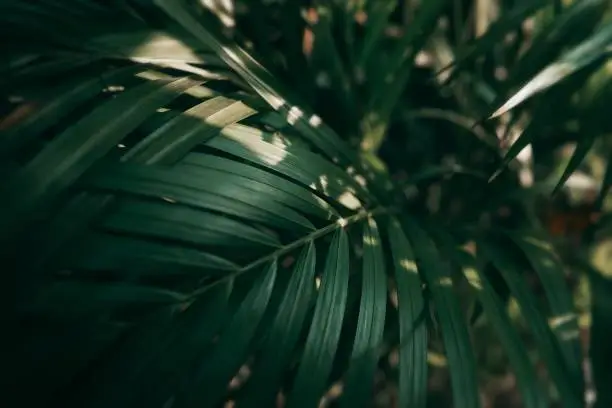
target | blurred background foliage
[{"x": 487, "y": 121}]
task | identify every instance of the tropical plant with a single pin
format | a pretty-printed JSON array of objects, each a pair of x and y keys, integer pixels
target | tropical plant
[{"x": 180, "y": 229}]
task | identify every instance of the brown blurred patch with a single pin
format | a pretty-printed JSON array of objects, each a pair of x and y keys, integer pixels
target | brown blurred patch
[{"x": 18, "y": 115}]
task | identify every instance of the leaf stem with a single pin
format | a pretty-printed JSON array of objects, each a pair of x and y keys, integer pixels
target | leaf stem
[{"x": 338, "y": 223}]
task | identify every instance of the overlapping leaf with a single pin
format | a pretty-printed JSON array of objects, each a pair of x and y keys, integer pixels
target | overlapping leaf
[
  {"x": 549, "y": 347},
  {"x": 169, "y": 211}
]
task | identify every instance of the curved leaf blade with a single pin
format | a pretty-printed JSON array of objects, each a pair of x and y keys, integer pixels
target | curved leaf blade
[
  {"x": 509, "y": 21},
  {"x": 191, "y": 188},
  {"x": 531, "y": 312},
  {"x": 100, "y": 252},
  {"x": 71, "y": 299},
  {"x": 606, "y": 184},
  {"x": 69, "y": 96},
  {"x": 371, "y": 323},
  {"x": 527, "y": 378},
  {"x": 564, "y": 321},
  {"x": 217, "y": 370},
  {"x": 579, "y": 57},
  {"x": 136, "y": 365},
  {"x": 568, "y": 28},
  {"x": 413, "y": 331},
  {"x": 583, "y": 147},
  {"x": 195, "y": 125},
  {"x": 453, "y": 327},
  {"x": 181, "y": 223},
  {"x": 302, "y": 199},
  {"x": 283, "y": 334},
  {"x": 263, "y": 83},
  {"x": 51, "y": 171},
  {"x": 293, "y": 161},
  {"x": 324, "y": 333}
]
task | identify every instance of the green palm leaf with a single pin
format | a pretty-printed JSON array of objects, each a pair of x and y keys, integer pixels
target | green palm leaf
[{"x": 191, "y": 220}]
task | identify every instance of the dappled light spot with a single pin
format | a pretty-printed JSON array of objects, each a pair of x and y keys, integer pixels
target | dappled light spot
[
  {"x": 370, "y": 241},
  {"x": 570, "y": 335},
  {"x": 323, "y": 11},
  {"x": 121, "y": 146},
  {"x": 162, "y": 110},
  {"x": 590, "y": 396},
  {"x": 311, "y": 15},
  {"x": 525, "y": 157},
  {"x": 361, "y": 17},
  {"x": 445, "y": 281},
  {"x": 169, "y": 200},
  {"x": 186, "y": 67},
  {"x": 585, "y": 321},
  {"x": 548, "y": 263},
  {"x": 272, "y": 152},
  {"x": 333, "y": 393},
  {"x": 200, "y": 92},
  {"x": 294, "y": 115},
  {"x": 348, "y": 200},
  {"x": 315, "y": 121},
  {"x": 557, "y": 321},
  {"x": 408, "y": 265},
  {"x": 342, "y": 222},
  {"x": 501, "y": 73},
  {"x": 152, "y": 75},
  {"x": 393, "y": 297},
  {"x": 317, "y": 282},
  {"x": 514, "y": 308},
  {"x": 470, "y": 247},
  {"x": 322, "y": 184},
  {"x": 155, "y": 46},
  {"x": 223, "y": 9},
  {"x": 473, "y": 277},
  {"x": 16, "y": 99},
  {"x": 274, "y": 100},
  {"x": 360, "y": 180},
  {"x": 114, "y": 88},
  {"x": 394, "y": 358},
  {"x": 323, "y": 80},
  {"x": 510, "y": 38},
  {"x": 539, "y": 243},
  {"x": 436, "y": 359},
  {"x": 280, "y": 399},
  {"x": 602, "y": 258},
  {"x": 324, "y": 204},
  {"x": 240, "y": 378},
  {"x": 423, "y": 59}
]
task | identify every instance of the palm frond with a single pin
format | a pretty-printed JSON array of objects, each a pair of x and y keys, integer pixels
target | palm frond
[{"x": 192, "y": 221}]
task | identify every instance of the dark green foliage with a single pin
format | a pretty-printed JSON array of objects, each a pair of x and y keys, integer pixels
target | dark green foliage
[{"x": 175, "y": 214}]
